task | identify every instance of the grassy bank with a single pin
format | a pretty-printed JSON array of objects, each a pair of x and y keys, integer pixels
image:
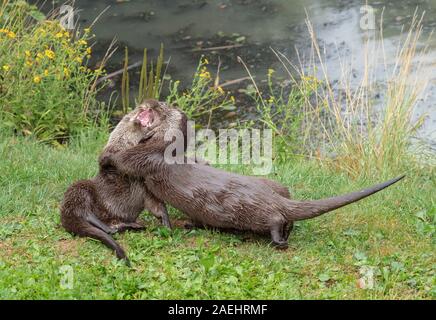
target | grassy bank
[
  {"x": 391, "y": 231},
  {"x": 382, "y": 247}
]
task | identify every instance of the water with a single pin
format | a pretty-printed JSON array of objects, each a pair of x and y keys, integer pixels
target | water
[{"x": 182, "y": 25}]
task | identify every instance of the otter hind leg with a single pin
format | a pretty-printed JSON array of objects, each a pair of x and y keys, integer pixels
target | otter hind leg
[
  {"x": 278, "y": 234},
  {"x": 284, "y": 192},
  {"x": 96, "y": 222},
  {"x": 287, "y": 228},
  {"x": 105, "y": 238}
]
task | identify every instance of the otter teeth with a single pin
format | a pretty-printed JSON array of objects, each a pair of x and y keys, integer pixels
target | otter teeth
[{"x": 145, "y": 117}]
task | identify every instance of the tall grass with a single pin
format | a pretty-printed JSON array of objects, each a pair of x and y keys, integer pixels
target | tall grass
[
  {"x": 282, "y": 111},
  {"x": 343, "y": 123}
]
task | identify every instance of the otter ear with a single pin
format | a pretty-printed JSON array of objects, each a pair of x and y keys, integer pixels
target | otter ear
[
  {"x": 126, "y": 118},
  {"x": 163, "y": 104},
  {"x": 105, "y": 160}
]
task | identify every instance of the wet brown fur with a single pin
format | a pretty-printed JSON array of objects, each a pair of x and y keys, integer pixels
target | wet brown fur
[
  {"x": 111, "y": 202},
  {"x": 220, "y": 199}
]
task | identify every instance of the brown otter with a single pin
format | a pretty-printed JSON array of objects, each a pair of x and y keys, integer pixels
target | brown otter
[
  {"x": 112, "y": 202},
  {"x": 221, "y": 199}
]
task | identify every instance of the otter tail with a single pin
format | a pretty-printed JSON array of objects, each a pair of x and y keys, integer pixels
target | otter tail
[{"x": 302, "y": 210}]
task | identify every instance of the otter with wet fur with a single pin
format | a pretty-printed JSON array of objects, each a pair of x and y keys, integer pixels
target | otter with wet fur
[
  {"x": 111, "y": 202},
  {"x": 216, "y": 198}
]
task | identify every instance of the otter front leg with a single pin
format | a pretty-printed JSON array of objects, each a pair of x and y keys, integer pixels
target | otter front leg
[
  {"x": 189, "y": 225},
  {"x": 158, "y": 209},
  {"x": 123, "y": 226}
]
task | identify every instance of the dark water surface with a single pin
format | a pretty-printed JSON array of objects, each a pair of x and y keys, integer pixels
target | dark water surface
[{"x": 186, "y": 25}]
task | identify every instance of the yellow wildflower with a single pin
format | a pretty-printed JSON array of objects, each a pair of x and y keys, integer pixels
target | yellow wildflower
[
  {"x": 67, "y": 72},
  {"x": 27, "y": 52},
  {"x": 50, "y": 54},
  {"x": 204, "y": 73},
  {"x": 220, "y": 90},
  {"x": 271, "y": 99},
  {"x": 87, "y": 30},
  {"x": 6, "y": 67},
  {"x": 46, "y": 72},
  {"x": 9, "y": 33},
  {"x": 39, "y": 55},
  {"x": 88, "y": 50},
  {"x": 205, "y": 61},
  {"x": 37, "y": 79},
  {"x": 309, "y": 79},
  {"x": 41, "y": 31},
  {"x": 79, "y": 59},
  {"x": 83, "y": 42},
  {"x": 232, "y": 98},
  {"x": 59, "y": 35},
  {"x": 29, "y": 63},
  {"x": 270, "y": 72},
  {"x": 99, "y": 71}
]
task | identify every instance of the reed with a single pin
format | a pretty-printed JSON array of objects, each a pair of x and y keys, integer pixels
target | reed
[{"x": 150, "y": 81}]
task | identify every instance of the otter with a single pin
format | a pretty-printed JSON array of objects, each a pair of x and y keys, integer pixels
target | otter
[
  {"x": 111, "y": 202},
  {"x": 220, "y": 199}
]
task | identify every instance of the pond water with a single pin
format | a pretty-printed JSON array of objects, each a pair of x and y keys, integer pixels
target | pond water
[{"x": 254, "y": 27}]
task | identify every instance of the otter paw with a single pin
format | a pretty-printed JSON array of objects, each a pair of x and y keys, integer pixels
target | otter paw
[{"x": 282, "y": 245}]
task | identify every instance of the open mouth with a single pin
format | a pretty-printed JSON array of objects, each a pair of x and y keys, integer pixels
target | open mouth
[{"x": 146, "y": 117}]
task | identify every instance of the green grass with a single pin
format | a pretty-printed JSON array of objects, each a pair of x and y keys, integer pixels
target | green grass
[{"x": 392, "y": 231}]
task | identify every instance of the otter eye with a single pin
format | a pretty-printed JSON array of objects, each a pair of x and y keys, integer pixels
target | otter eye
[{"x": 145, "y": 139}]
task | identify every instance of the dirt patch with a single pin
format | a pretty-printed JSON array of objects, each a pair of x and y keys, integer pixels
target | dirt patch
[
  {"x": 6, "y": 249},
  {"x": 69, "y": 247}
]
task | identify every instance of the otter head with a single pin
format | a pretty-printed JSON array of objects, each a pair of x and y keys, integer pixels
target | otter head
[
  {"x": 133, "y": 127},
  {"x": 165, "y": 119},
  {"x": 150, "y": 114}
]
